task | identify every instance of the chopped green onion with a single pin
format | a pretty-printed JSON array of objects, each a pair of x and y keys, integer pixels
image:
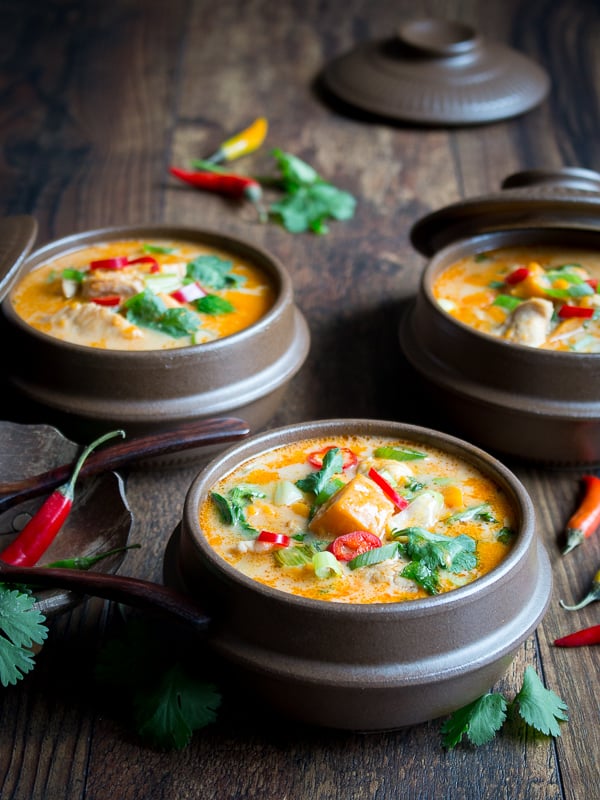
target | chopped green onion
[
  {"x": 507, "y": 301},
  {"x": 286, "y": 493},
  {"x": 326, "y": 565},
  {"x": 295, "y": 556},
  {"x": 399, "y": 453},
  {"x": 375, "y": 556},
  {"x": 72, "y": 275},
  {"x": 162, "y": 283}
]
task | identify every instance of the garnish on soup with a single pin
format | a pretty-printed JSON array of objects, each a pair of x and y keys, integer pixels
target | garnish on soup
[
  {"x": 545, "y": 297},
  {"x": 359, "y": 519},
  {"x": 136, "y": 295}
]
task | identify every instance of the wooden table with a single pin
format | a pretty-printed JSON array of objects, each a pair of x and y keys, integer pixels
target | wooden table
[{"x": 98, "y": 98}]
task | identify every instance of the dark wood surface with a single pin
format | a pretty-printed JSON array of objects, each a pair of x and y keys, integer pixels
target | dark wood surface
[{"x": 97, "y": 99}]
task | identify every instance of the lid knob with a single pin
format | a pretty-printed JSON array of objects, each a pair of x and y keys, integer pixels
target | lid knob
[{"x": 438, "y": 37}]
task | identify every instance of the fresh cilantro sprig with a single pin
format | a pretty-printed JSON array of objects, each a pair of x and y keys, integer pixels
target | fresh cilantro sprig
[
  {"x": 213, "y": 272},
  {"x": 309, "y": 201},
  {"x": 147, "y": 310},
  {"x": 429, "y": 552},
  {"x": 160, "y": 688},
  {"x": 324, "y": 483},
  {"x": 480, "y": 721},
  {"x": 21, "y": 626},
  {"x": 231, "y": 507}
]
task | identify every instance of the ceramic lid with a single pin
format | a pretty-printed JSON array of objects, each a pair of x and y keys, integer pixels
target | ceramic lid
[
  {"x": 17, "y": 235},
  {"x": 437, "y": 72},
  {"x": 567, "y": 197}
]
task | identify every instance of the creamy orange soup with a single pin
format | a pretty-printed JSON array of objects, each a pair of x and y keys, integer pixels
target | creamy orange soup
[
  {"x": 143, "y": 295},
  {"x": 359, "y": 520},
  {"x": 544, "y": 297}
]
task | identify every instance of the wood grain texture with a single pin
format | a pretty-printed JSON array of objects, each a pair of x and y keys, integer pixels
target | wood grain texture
[{"x": 97, "y": 100}]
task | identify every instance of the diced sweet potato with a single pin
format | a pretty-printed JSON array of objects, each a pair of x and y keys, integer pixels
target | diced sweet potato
[{"x": 359, "y": 505}]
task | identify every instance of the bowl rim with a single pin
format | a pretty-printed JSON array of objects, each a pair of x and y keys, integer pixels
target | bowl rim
[
  {"x": 266, "y": 440},
  {"x": 86, "y": 238}
]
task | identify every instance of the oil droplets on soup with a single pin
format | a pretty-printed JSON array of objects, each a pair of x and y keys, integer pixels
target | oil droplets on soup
[
  {"x": 139, "y": 295},
  {"x": 544, "y": 297},
  {"x": 358, "y": 519}
]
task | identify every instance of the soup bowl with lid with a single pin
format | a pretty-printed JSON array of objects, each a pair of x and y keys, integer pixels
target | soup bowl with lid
[
  {"x": 84, "y": 385},
  {"x": 536, "y": 400},
  {"x": 328, "y": 655}
]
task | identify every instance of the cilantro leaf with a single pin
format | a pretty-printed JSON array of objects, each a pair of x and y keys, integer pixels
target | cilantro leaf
[
  {"x": 317, "y": 482},
  {"x": 160, "y": 688},
  {"x": 480, "y": 512},
  {"x": 231, "y": 508},
  {"x": 309, "y": 201},
  {"x": 479, "y": 721},
  {"x": 21, "y": 625},
  {"x": 147, "y": 310},
  {"x": 540, "y": 707},
  {"x": 213, "y": 304},
  {"x": 430, "y": 552},
  {"x": 213, "y": 272},
  {"x": 171, "y": 711}
]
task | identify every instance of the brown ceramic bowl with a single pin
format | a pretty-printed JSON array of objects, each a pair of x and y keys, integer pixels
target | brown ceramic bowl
[
  {"x": 84, "y": 389},
  {"x": 364, "y": 667},
  {"x": 537, "y": 405}
]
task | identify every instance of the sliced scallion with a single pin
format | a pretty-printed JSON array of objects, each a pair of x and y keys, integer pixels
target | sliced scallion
[
  {"x": 326, "y": 565},
  {"x": 399, "y": 453},
  {"x": 374, "y": 556}
]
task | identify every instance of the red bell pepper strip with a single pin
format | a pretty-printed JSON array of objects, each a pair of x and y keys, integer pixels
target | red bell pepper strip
[
  {"x": 578, "y": 638},
  {"x": 107, "y": 300},
  {"x": 591, "y": 596},
  {"x": 188, "y": 293},
  {"x": 41, "y": 530},
  {"x": 586, "y": 518},
  {"x": 278, "y": 539},
  {"x": 226, "y": 183},
  {"x": 516, "y": 276},
  {"x": 399, "y": 501},
  {"x": 349, "y": 458},
  {"x": 593, "y": 282},
  {"x": 568, "y": 312},
  {"x": 350, "y": 545}
]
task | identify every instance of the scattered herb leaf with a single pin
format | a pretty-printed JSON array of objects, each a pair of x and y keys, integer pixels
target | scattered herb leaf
[
  {"x": 540, "y": 707},
  {"x": 21, "y": 625}
]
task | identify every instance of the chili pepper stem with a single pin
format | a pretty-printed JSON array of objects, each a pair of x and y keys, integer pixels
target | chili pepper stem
[
  {"x": 86, "y": 562},
  {"x": 69, "y": 488},
  {"x": 575, "y": 537}
]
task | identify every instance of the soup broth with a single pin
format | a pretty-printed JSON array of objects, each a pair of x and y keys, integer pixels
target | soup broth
[
  {"x": 543, "y": 297},
  {"x": 359, "y": 520},
  {"x": 143, "y": 295}
]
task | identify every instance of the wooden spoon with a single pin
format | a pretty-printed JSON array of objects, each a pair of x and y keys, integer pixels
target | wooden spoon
[
  {"x": 135, "y": 592},
  {"x": 198, "y": 433}
]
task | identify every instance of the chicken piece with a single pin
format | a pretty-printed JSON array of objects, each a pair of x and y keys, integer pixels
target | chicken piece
[
  {"x": 360, "y": 505},
  {"x": 424, "y": 511},
  {"x": 94, "y": 321},
  {"x": 529, "y": 322},
  {"x": 100, "y": 283}
]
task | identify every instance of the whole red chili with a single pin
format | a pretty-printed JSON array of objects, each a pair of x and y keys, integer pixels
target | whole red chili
[
  {"x": 226, "y": 183},
  {"x": 586, "y": 519},
  {"x": 581, "y": 637},
  {"x": 39, "y": 533}
]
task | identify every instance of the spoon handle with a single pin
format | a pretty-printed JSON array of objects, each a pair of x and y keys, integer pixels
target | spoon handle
[
  {"x": 209, "y": 430},
  {"x": 135, "y": 592}
]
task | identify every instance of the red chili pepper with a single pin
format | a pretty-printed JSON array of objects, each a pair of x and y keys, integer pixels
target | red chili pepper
[
  {"x": 516, "y": 276},
  {"x": 39, "y": 533},
  {"x": 581, "y": 637},
  {"x": 586, "y": 519},
  {"x": 349, "y": 458},
  {"x": 226, "y": 183},
  {"x": 120, "y": 262},
  {"x": 567, "y": 312},
  {"x": 278, "y": 539},
  {"x": 593, "y": 282},
  {"x": 188, "y": 293},
  {"x": 350, "y": 545},
  {"x": 107, "y": 300},
  {"x": 399, "y": 501}
]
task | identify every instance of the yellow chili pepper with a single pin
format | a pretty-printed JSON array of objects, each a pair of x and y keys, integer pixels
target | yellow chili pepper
[{"x": 242, "y": 143}]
